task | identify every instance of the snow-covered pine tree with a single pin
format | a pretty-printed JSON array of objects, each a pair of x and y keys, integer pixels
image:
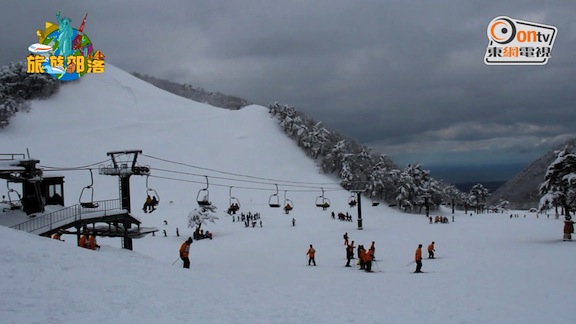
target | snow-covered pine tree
[
  {"x": 559, "y": 186},
  {"x": 477, "y": 198}
]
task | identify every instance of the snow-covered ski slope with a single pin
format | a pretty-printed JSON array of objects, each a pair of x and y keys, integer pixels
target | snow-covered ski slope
[{"x": 490, "y": 268}]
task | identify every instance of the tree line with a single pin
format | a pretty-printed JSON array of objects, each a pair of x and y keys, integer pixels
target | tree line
[
  {"x": 410, "y": 188},
  {"x": 17, "y": 87}
]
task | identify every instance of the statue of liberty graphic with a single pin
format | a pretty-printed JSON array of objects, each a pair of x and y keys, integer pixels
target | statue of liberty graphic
[{"x": 64, "y": 37}]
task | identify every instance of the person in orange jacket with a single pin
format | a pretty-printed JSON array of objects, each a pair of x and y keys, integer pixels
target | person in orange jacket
[
  {"x": 418, "y": 259},
  {"x": 83, "y": 241},
  {"x": 368, "y": 257},
  {"x": 311, "y": 252},
  {"x": 57, "y": 236},
  {"x": 92, "y": 245},
  {"x": 431, "y": 250},
  {"x": 185, "y": 251},
  {"x": 362, "y": 257}
]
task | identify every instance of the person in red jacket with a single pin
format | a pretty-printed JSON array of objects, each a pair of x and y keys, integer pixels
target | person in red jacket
[
  {"x": 311, "y": 252},
  {"x": 418, "y": 259},
  {"x": 185, "y": 251}
]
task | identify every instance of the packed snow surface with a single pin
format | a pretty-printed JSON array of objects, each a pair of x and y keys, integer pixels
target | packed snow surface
[{"x": 490, "y": 268}]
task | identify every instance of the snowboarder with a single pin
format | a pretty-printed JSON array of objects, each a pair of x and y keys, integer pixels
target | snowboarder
[
  {"x": 431, "y": 250},
  {"x": 185, "y": 251},
  {"x": 311, "y": 252},
  {"x": 418, "y": 259},
  {"x": 568, "y": 228},
  {"x": 349, "y": 253}
]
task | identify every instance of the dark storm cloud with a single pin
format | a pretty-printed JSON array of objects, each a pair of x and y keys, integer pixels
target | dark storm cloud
[{"x": 404, "y": 76}]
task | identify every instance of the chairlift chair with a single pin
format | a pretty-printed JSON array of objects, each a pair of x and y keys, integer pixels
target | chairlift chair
[
  {"x": 88, "y": 192},
  {"x": 12, "y": 201},
  {"x": 234, "y": 202},
  {"x": 322, "y": 201},
  {"x": 274, "y": 200},
  {"x": 203, "y": 197},
  {"x": 288, "y": 204},
  {"x": 153, "y": 193},
  {"x": 352, "y": 200}
]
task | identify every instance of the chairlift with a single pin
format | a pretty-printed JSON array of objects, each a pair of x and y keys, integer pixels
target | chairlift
[
  {"x": 203, "y": 197},
  {"x": 274, "y": 200},
  {"x": 322, "y": 201},
  {"x": 234, "y": 202},
  {"x": 154, "y": 194},
  {"x": 12, "y": 201},
  {"x": 288, "y": 204},
  {"x": 352, "y": 200},
  {"x": 86, "y": 192}
]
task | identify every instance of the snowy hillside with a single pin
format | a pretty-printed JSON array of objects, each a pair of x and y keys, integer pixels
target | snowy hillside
[{"x": 490, "y": 268}]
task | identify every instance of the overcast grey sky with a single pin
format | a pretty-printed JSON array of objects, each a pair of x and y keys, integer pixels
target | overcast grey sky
[{"x": 405, "y": 77}]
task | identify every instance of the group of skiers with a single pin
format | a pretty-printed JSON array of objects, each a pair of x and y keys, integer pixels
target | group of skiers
[
  {"x": 343, "y": 217},
  {"x": 440, "y": 219},
  {"x": 365, "y": 257}
]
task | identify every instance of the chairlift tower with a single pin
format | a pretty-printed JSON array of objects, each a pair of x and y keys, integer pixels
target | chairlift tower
[
  {"x": 359, "y": 206},
  {"x": 124, "y": 165}
]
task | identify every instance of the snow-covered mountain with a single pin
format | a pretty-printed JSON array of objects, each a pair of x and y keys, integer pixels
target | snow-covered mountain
[
  {"x": 522, "y": 191},
  {"x": 490, "y": 268}
]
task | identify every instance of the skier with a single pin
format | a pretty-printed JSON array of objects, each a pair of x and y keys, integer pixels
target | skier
[
  {"x": 153, "y": 204},
  {"x": 311, "y": 252},
  {"x": 92, "y": 245},
  {"x": 418, "y": 259},
  {"x": 349, "y": 253},
  {"x": 293, "y": 222},
  {"x": 568, "y": 228},
  {"x": 362, "y": 257},
  {"x": 184, "y": 251},
  {"x": 83, "y": 242},
  {"x": 345, "y": 238},
  {"x": 431, "y": 250},
  {"x": 57, "y": 236},
  {"x": 368, "y": 257},
  {"x": 372, "y": 250},
  {"x": 147, "y": 203}
]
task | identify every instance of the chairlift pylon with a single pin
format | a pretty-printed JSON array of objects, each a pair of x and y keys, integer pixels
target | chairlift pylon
[
  {"x": 322, "y": 201},
  {"x": 86, "y": 192},
  {"x": 274, "y": 200},
  {"x": 203, "y": 197}
]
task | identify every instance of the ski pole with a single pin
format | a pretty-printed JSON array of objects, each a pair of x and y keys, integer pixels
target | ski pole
[
  {"x": 408, "y": 264},
  {"x": 173, "y": 263},
  {"x": 377, "y": 266}
]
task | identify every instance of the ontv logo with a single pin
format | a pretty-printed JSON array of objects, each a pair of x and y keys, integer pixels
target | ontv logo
[{"x": 518, "y": 42}]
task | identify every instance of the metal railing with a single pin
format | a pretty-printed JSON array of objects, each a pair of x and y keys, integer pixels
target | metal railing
[{"x": 70, "y": 214}]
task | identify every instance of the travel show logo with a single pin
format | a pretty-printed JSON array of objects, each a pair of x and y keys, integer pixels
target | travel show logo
[
  {"x": 64, "y": 52},
  {"x": 518, "y": 42}
]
